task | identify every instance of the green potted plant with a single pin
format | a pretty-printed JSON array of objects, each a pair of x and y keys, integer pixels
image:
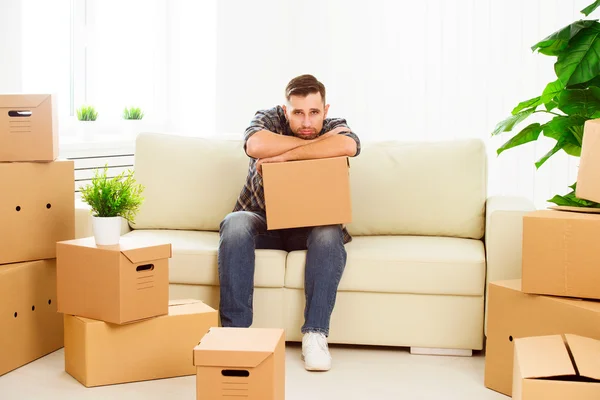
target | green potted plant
[
  {"x": 133, "y": 117},
  {"x": 133, "y": 113},
  {"x": 111, "y": 200},
  {"x": 567, "y": 102},
  {"x": 86, "y": 115}
]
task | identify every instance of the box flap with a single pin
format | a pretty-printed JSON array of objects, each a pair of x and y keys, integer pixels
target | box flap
[
  {"x": 236, "y": 347},
  {"x": 22, "y": 100},
  {"x": 586, "y": 353},
  {"x": 149, "y": 253},
  {"x": 179, "y": 302},
  {"x": 543, "y": 357}
]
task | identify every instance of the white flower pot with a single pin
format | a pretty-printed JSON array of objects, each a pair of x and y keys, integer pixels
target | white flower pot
[{"x": 107, "y": 230}]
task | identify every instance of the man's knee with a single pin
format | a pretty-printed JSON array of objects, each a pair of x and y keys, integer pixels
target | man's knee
[
  {"x": 237, "y": 224},
  {"x": 328, "y": 235}
]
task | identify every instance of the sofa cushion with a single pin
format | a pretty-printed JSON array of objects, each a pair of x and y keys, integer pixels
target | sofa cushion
[
  {"x": 194, "y": 258},
  {"x": 429, "y": 188},
  {"x": 405, "y": 264},
  {"x": 190, "y": 182}
]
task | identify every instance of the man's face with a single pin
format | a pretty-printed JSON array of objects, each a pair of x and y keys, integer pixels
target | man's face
[{"x": 306, "y": 114}]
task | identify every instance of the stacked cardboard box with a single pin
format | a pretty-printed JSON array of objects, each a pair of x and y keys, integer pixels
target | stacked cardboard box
[
  {"x": 119, "y": 324},
  {"x": 558, "y": 293},
  {"x": 37, "y": 209}
]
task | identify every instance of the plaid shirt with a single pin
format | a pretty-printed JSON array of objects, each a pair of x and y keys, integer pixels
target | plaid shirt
[{"x": 252, "y": 197}]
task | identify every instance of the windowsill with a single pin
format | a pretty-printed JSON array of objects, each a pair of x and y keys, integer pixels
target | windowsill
[{"x": 85, "y": 137}]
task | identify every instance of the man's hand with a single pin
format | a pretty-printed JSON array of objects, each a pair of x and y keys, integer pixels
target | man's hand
[
  {"x": 332, "y": 132},
  {"x": 260, "y": 162}
]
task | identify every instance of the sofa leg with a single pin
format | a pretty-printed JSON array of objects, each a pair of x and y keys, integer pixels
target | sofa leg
[{"x": 430, "y": 351}]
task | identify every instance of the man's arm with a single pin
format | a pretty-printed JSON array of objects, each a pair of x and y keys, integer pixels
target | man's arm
[
  {"x": 334, "y": 145},
  {"x": 266, "y": 144}
]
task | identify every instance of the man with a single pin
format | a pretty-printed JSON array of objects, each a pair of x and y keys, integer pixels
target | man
[{"x": 298, "y": 130}]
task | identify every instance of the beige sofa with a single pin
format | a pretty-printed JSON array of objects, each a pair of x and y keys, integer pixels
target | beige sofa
[{"x": 427, "y": 239}]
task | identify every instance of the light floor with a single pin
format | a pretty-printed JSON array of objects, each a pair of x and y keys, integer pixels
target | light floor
[{"x": 364, "y": 373}]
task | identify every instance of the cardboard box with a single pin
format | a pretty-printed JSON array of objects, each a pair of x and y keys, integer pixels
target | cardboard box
[
  {"x": 588, "y": 175},
  {"x": 513, "y": 314},
  {"x": 307, "y": 193},
  {"x": 553, "y": 368},
  {"x": 37, "y": 209},
  {"x": 30, "y": 327},
  {"x": 244, "y": 362},
  {"x": 98, "y": 353},
  {"x": 119, "y": 284},
  {"x": 28, "y": 127},
  {"x": 561, "y": 255}
]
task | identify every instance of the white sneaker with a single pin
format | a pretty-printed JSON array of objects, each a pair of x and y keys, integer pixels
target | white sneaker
[{"x": 315, "y": 352}]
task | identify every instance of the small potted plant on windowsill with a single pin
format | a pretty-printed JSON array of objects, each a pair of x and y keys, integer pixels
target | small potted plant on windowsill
[
  {"x": 133, "y": 117},
  {"x": 111, "y": 200},
  {"x": 86, "y": 115}
]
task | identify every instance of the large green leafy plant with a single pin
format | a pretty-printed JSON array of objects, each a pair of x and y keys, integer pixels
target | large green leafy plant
[
  {"x": 120, "y": 196},
  {"x": 569, "y": 101}
]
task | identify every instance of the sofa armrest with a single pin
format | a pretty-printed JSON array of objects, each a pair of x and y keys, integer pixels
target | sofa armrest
[
  {"x": 503, "y": 238},
  {"x": 83, "y": 221}
]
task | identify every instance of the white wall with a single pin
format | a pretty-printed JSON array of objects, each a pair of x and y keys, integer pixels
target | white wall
[
  {"x": 10, "y": 46},
  {"x": 403, "y": 70}
]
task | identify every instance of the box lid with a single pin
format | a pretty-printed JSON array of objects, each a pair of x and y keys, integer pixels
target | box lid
[
  {"x": 136, "y": 250},
  {"x": 586, "y": 353},
  {"x": 236, "y": 347},
  {"x": 549, "y": 356},
  {"x": 22, "y": 100}
]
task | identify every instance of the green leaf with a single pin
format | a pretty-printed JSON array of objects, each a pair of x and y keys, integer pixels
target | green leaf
[
  {"x": 573, "y": 201},
  {"x": 551, "y": 105},
  {"x": 580, "y": 62},
  {"x": 531, "y": 103},
  {"x": 528, "y": 134},
  {"x": 584, "y": 102},
  {"x": 584, "y": 85},
  {"x": 509, "y": 123},
  {"x": 559, "y": 40},
  {"x": 561, "y": 128},
  {"x": 589, "y": 9},
  {"x": 552, "y": 90},
  {"x": 559, "y": 145}
]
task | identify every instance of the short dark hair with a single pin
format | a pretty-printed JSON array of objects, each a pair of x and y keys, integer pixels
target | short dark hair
[{"x": 304, "y": 85}]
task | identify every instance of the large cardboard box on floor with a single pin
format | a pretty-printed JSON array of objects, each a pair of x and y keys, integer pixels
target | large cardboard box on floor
[
  {"x": 98, "y": 353},
  {"x": 28, "y": 127},
  {"x": 119, "y": 284},
  {"x": 513, "y": 314},
  {"x": 30, "y": 327},
  {"x": 561, "y": 255},
  {"x": 556, "y": 368},
  {"x": 588, "y": 175},
  {"x": 243, "y": 362},
  {"x": 307, "y": 193},
  {"x": 37, "y": 209}
]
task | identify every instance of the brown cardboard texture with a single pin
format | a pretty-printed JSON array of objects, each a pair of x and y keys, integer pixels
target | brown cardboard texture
[
  {"x": 513, "y": 314},
  {"x": 307, "y": 193},
  {"x": 99, "y": 353},
  {"x": 561, "y": 255},
  {"x": 28, "y": 127},
  {"x": 588, "y": 175},
  {"x": 37, "y": 209},
  {"x": 245, "y": 362},
  {"x": 556, "y": 368},
  {"x": 30, "y": 327},
  {"x": 123, "y": 283}
]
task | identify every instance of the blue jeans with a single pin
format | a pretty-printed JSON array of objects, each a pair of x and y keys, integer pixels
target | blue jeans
[{"x": 242, "y": 232}]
